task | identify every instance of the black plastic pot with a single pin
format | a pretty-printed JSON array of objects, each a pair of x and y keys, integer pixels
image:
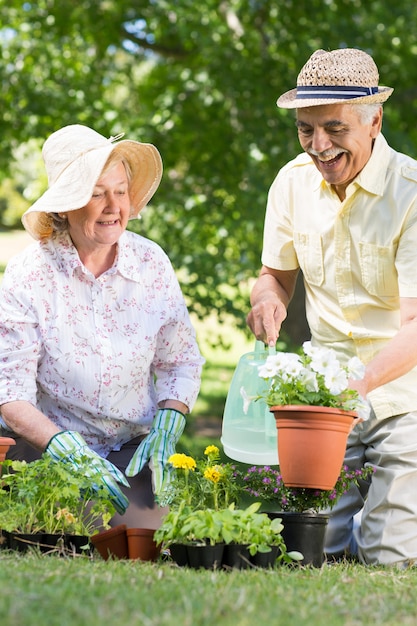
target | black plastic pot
[
  {"x": 305, "y": 533},
  {"x": 206, "y": 557},
  {"x": 236, "y": 556}
]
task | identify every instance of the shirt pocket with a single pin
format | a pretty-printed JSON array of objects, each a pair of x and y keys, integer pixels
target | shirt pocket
[
  {"x": 379, "y": 275},
  {"x": 309, "y": 249}
]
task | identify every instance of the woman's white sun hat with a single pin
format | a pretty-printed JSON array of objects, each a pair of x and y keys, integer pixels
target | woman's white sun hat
[
  {"x": 336, "y": 77},
  {"x": 74, "y": 158}
]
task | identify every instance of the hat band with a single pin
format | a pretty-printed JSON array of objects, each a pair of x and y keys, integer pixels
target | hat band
[{"x": 334, "y": 92}]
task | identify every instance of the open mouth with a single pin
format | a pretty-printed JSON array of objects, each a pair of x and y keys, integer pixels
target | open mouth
[
  {"x": 328, "y": 162},
  {"x": 112, "y": 223}
]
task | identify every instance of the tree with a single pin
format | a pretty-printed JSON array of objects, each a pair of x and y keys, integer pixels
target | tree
[{"x": 200, "y": 80}]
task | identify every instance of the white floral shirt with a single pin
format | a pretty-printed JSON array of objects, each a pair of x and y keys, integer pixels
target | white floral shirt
[{"x": 96, "y": 355}]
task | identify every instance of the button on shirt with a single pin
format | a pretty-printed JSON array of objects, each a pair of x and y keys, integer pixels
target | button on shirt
[
  {"x": 358, "y": 257},
  {"x": 96, "y": 355}
]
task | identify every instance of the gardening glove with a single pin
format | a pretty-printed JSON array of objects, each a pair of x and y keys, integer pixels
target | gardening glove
[
  {"x": 69, "y": 447},
  {"x": 157, "y": 447}
]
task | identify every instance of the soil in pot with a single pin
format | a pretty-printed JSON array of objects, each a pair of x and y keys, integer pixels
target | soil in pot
[
  {"x": 112, "y": 543},
  {"x": 141, "y": 544}
]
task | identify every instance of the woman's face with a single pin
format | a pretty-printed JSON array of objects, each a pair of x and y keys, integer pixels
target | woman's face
[{"x": 104, "y": 218}]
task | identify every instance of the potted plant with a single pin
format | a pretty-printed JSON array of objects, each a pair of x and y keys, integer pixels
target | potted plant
[
  {"x": 203, "y": 517},
  {"x": 314, "y": 410},
  {"x": 45, "y": 499},
  {"x": 300, "y": 509},
  {"x": 254, "y": 538}
]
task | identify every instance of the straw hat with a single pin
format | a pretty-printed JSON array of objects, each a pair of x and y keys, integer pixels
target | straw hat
[
  {"x": 74, "y": 157},
  {"x": 336, "y": 77}
]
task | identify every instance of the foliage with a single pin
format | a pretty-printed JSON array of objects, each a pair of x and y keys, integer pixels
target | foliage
[
  {"x": 46, "y": 496},
  {"x": 201, "y": 484},
  {"x": 314, "y": 378},
  {"x": 202, "y": 498},
  {"x": 266, "y": 484},
  {"x": 200, "y": 81},
  {"x": 230, "y": 525}
]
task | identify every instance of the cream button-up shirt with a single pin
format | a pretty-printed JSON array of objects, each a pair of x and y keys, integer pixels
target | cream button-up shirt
[
  {"x": 96, "y": 355},
  {"x": 358, "y": 257}
]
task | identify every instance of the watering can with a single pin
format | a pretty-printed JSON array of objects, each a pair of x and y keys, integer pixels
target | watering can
[{"x": 251, "y": 436}]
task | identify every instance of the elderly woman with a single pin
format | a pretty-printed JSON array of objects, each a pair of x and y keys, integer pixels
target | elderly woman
[{"x": 98, "y": 357}]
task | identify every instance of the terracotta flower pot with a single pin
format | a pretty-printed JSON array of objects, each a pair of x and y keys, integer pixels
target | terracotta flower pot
[
  {"x": 111, "y": 543},
  {"x": 141, "y": 544},
  {"x": 5, "y": 443},
  {"x": 311, "y": 444}
]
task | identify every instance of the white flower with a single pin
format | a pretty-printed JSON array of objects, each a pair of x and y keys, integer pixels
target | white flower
[
  {"x": 336, "y": 380},
  {"x": 356, "y": 369},
  {"x": 324, "y": 361},
  {"x": 246, "y": 400},
  {"x": 280, "y": 364},
  {"x": 309, "y": 380}
]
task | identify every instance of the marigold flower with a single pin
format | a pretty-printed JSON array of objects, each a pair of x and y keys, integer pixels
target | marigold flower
[
  {"x": 182, "y": 461},
  {"x": 211, "y": 450},
  {"x": 213, "y": 473}
]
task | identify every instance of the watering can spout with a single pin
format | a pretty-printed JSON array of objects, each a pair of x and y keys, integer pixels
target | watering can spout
[{"x": 249, "y": 433}]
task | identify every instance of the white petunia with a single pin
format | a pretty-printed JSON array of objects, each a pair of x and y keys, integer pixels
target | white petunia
[
  {"x": 356, "y": 369},
  {"x": 309, "y": 380},
  {"x": 336, "y": 380},
  {"x": 246, "y": 400},
  {"x": 323, "y": 360}
]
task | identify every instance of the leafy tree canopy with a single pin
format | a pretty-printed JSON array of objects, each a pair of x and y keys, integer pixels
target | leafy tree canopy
[{"x": 200, "y": 80}]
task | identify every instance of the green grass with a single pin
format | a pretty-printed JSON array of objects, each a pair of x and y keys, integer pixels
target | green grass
[{"x": 76, "y": 592}]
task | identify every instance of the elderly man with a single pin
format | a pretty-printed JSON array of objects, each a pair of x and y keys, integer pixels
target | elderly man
[{"x": 345, "y": 213}]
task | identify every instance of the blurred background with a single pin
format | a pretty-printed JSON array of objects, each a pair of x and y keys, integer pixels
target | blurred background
[{"x": 200, "y": 81}]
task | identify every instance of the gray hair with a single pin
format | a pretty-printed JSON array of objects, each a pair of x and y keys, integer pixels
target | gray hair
[{"x": 366, "y": 112}]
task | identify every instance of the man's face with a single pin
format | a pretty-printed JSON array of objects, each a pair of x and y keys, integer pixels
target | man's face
[{"x": 339, "y": 143}]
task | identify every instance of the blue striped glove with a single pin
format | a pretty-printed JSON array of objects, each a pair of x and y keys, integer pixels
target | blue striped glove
[
  {"x": 157, "y": 447},
  {"x": 70, "y": 447}
]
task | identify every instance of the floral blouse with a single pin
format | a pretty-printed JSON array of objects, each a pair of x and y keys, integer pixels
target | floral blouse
[{"x": 96, "y": 355}]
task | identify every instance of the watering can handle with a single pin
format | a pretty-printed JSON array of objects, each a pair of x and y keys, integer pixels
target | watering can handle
[{"x": 260, "y": 347}]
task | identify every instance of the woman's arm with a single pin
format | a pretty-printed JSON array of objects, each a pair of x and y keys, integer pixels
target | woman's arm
[{"x": 28, "y": 422}]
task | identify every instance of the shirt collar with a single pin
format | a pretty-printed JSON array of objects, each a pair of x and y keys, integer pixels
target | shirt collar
[{"x": 126, "y": 262}]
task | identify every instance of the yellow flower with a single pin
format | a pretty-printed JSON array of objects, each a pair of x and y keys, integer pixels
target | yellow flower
[
  {"x": 211, "y": 450},
  {"x": 67, "y": 515},
  {"x": 213, "y": 473},
  {"x": 182, "y": 461}
]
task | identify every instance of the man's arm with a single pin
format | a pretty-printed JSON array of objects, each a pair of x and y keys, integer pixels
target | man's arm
[
  {"x": 399, "y": 355},
  {"x": 270, "y": 298}
]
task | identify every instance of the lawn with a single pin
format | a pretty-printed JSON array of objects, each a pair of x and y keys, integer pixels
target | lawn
[{"x": 79, "y": 592}]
